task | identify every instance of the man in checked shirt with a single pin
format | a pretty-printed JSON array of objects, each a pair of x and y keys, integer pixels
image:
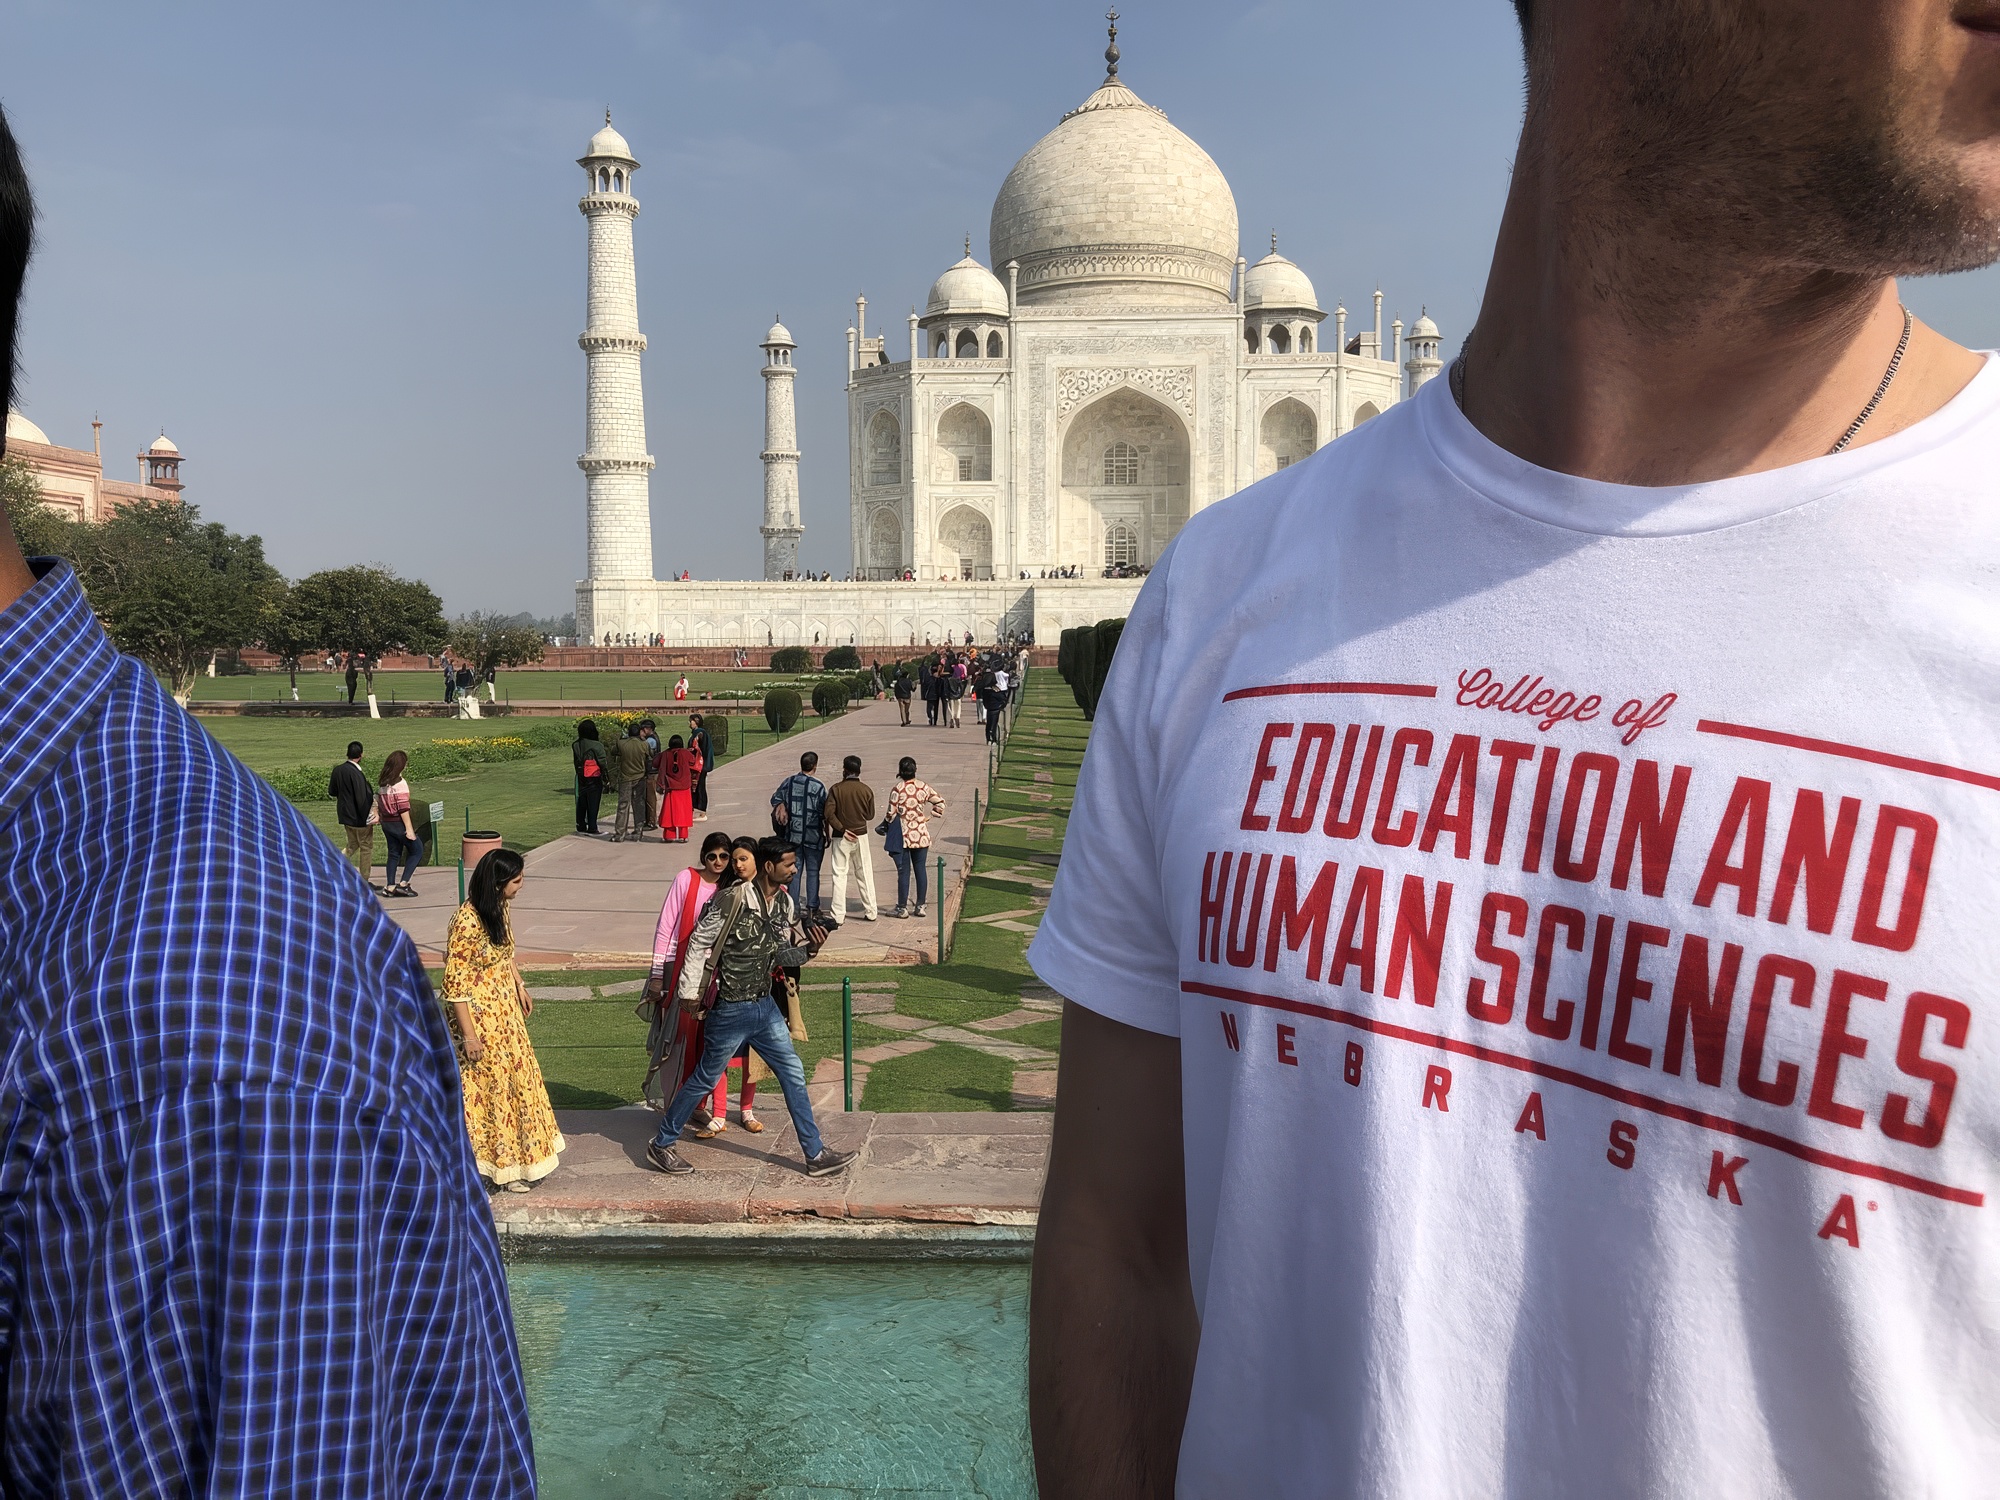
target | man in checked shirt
[{"x": 243, "y": 1248}]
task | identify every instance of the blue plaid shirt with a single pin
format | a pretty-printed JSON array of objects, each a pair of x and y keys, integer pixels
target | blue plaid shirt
[
  {"x": 243, "y": 1247},
  {"x": 804, "y": 799}
]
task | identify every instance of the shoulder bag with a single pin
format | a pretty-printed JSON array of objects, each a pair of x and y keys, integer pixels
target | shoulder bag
[{"x": 711, "y": 978}]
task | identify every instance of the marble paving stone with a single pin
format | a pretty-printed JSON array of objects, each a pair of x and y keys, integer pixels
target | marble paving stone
[
  {"x": 897, "y": 1022},
  {"x": 1008, "y": 1022},
  {"x": 1011, "y": 1051},
  {"x": 561, "y": 992},
  {"x": 1034, "y": 1088},
  {"x": 874, "y": 1005},
  {"x": 623, "y": 987},
  {"x": 883, "y": 1051}
]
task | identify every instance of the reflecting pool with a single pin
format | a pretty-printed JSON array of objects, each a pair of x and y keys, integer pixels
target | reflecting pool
[{"x": 775, "y": 1377}]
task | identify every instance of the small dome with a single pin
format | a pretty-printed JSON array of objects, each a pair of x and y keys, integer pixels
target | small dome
[
  {"x": 1424, "y": 328},
  {"x": 609, "y": 143},
  {"x": 164, "y": 445},
  {"x": 967, "y": 287},
  {"x": 780, "y": 334},
  {"x": 21, "y": 430},
  {"x": 1276, "y": 282}
]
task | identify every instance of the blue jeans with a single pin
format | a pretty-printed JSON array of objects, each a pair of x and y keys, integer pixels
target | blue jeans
[
  {"x": 908, "y": 860},
  {"x": 805, "y": 879},
  {"x": 728, "y": 1027},
  {"x": 405, "y": 853}
]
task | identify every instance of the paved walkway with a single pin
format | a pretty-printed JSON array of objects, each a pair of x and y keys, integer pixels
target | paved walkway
[
  {"x": 589, "y": 902},
  {"x": 938, "y": 1168}
]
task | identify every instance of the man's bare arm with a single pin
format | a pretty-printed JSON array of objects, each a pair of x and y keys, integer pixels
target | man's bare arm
[{"x": 1111, "y": 1323}]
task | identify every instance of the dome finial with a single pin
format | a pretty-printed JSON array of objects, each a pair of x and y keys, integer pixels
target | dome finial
[
  {"x": 968, "y": 244},
  {"x": 1111, "y": 52},
  {"x": 607, "y": 114},
  {"x": 1274, "y": 242}
]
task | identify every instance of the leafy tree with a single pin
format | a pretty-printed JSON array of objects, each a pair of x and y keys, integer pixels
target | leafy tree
[
  {"x": 365, "y": 612},
  {"x": 41, "y": 530},
  {"x": 289, "y": 634},
  {"x": 173, "y": 591},
  {"x": 490, "y": 642}
]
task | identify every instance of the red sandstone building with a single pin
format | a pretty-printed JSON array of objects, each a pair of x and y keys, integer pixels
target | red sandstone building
[{"x": 72, "y": 479}]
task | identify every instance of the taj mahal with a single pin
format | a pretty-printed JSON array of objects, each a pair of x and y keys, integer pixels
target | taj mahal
[{"x": 1053, "y": 424}]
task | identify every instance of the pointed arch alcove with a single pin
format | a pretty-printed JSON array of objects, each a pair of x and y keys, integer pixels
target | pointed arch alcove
[{"x": 1124, "y": 465}]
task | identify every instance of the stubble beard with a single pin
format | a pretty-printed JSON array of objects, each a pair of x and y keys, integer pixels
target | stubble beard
[{"x": 1725, "y": 137}]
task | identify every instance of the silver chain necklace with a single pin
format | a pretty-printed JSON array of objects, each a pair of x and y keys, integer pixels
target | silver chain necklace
[{"x": 1455, "y": 378}]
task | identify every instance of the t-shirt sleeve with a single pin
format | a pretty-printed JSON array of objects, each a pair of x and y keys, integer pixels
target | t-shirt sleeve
[{"x": 1105, "y": 941}]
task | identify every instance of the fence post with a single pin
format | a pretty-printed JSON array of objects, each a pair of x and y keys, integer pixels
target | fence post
[
  {"x": 940, "y": 907},
  {"x": 847, "y": 1039},
  {"x": 975, "y": 823},
  {"x": 461, "y": 880}
]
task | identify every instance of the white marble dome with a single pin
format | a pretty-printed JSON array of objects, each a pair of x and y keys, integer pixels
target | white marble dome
[
  {"x": 1424, "y": 328},
  {"x": 609, "y": 144},
  {"x": 1115, "y": 207},
  {"x": 780, "y": 334},
  {"x": 163, "y": 445},
  {"x": 21, "y": 430},
  {"x": 1275, "y": 282},
  {"x": 967, "y": 288}
]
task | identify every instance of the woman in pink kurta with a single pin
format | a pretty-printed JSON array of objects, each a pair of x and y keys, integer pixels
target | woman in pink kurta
[{"x": 690, "y": 892}]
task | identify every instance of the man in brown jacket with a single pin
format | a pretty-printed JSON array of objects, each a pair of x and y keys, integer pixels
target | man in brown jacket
[{"x": 850, "y": 814}]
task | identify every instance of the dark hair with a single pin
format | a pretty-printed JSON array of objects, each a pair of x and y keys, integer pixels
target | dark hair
[
  {"x": 907, "y": 768},
  {"x": 771, "y": 850},
  {"x": 17, "y": 241},
  {"x": 851, "y": 766},
  {"x": 809, "y": 761},
  {"x": 647, "y": 724},
  {"x": 1524, "y": 12},
  {"x": 715, "y": 841},
  {"x": 586, "y": 729},
  {"x": 694, "y": 718},
  {"x": 354, "y": 749},
  {"x": 495, "y": 871},
  {"x": 674, "y": 742},
  {"x": 729, "y": 875},
  {"x": 392, "y": 768}
]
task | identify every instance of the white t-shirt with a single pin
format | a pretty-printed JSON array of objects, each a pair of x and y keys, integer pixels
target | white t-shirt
[{"x": 1638, "y": 1139}]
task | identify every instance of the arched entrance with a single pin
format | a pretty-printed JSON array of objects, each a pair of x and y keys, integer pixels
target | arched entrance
[
  {"x": 965, "y": 543},
  {"x": 885, "y": 543},
  {"x": 1124, "y": 481},
  {"x": 1288, "y": 433}
]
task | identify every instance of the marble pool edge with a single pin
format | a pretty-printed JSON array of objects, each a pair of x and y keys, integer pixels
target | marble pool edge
[{"x": 808, "y": 1238}]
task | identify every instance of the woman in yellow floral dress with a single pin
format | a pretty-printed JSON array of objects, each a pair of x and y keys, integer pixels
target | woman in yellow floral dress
[{"x": 507, "y": 1113}]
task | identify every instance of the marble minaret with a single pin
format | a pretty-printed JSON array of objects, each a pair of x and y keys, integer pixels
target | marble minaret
[
  {"x": 781, "y": 526},
  {"x": 615, "y": 461}
]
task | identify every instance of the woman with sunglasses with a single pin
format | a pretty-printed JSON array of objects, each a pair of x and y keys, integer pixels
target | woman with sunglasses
[{"x": 673, "y": 1042}]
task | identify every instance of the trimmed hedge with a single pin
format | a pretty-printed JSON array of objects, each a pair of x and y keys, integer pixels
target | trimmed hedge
[
  {"x": 1083, "y": 657},
  {"x": 841, "y": 659},
  {"x": 830, "y": 697},
  {"x": 791, "y": 659},
  {"x": 781, "y": 709}
]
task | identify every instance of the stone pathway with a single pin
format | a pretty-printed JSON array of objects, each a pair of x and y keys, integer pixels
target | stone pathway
[
  {"x": 592, "y": 903},
  {"x": 970, "y": 1168}
]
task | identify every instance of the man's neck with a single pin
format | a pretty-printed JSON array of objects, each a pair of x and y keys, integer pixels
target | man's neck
[
  {"x": 16, "y": 577},
  {"x": 767, "y": 888},
  {"x": 1649, "y": 357}
]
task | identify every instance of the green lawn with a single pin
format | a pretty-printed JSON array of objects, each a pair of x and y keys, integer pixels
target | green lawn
[
  {"x": 639, "y": 689},
  {"x": 531, "y": 800},
  {"x": 592, "y": 1050}
]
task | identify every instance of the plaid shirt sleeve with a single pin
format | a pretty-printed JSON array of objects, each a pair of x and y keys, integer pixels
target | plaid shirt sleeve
[{"x": 243, "y": 1247}]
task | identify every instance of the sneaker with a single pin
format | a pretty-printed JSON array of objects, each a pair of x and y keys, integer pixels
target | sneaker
[
  {"x": 898, "y": 912},
  {"x": 667, "y": 1159},
  {"x": 917, "y": 912},
  {"x": 827, "y": 1162}
]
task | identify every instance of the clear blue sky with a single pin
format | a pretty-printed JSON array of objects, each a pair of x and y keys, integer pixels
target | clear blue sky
[{"x": 335, "y": 252}]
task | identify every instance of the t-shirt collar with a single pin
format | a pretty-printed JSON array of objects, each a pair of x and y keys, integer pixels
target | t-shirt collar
[
  {"x": 1605, "y": 509},
  {"x": 56, "y": 665}
]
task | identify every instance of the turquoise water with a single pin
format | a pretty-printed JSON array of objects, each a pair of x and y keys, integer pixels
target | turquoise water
[{"x": 775, "y": 1378}]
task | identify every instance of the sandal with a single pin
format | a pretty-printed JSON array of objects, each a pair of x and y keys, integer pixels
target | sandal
[
  {"x": 517, "y": 1186},
  {"x": 711, "y": 1130},
  {"x": 752, "y": 1124}
]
